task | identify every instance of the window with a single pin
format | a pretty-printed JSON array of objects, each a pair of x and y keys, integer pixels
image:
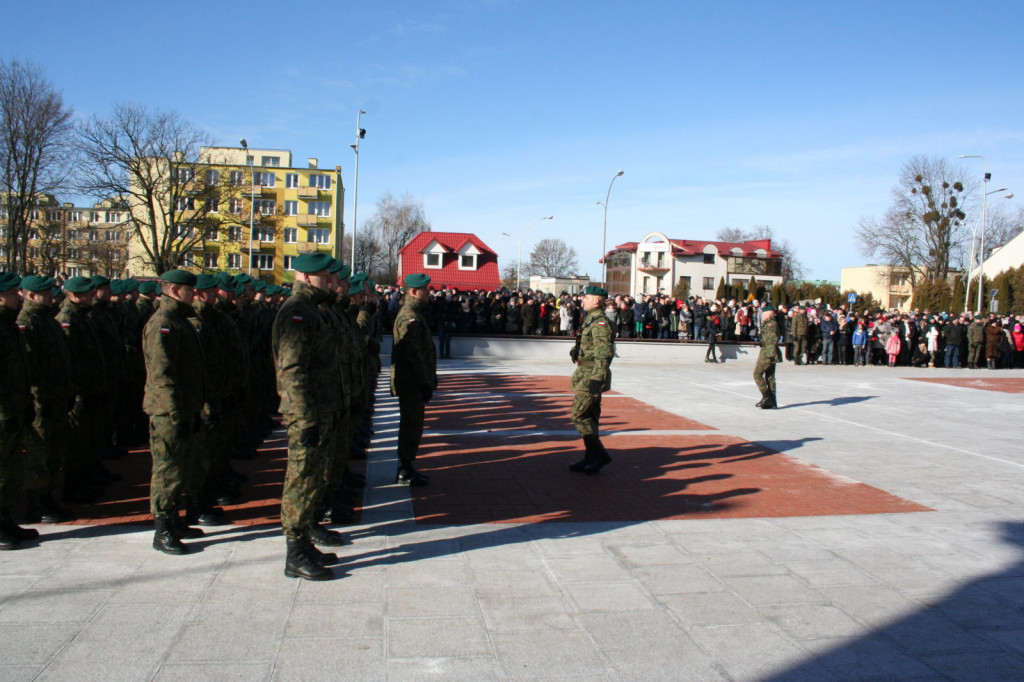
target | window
[
  {"x": 33, "y": 233},
  {"x": 320, "y": 181},
  {"x": 264, "y": 179},
  {"x": 321, "y": 209},
  {"x": 432, "y": 260},
  {"x": 74, "y": 254},
  {"x": 113, "y": 235},
  {"x": 73, "y": 235},
  {"x": 188, "y": 260},
  {"x": 291, "y": 236},
  {"x": 709, "y": 283},
  {"x": 236, "y": 178},
  {"x": 113, "y": 216},
  {"x": 318, "y": 235},
  {"x": 54, "y": 216},
  {"x": 183, "y": 175},
  {"x": 685, "y": 281},
  {"x": 234, "y": 206},
  {"x": 209, "y": 259},
  {"x": 211, "y": 233},
  {"x": 270, "y": 161},
  {"x": 182, "y": 231},
  {"x": 94, "y": 235},
  {"x": 291, "y": 208},
  {"x": 73, "y": 272},
  {"x": 265, "y": 206},
  {"x": 234, "y": 261},
  {"x": 263, "y": 234},
  {"x": 114, "y": 255},
  {"x": 262, "y": 261},
  {"x": 646, "y": 285},
  {"x": 33, "y": 214},
  {"x": 73, "y": 216},
  {"x": 185, "y": 204},
  {"x": 291, "y": 180},
  {"x": 467, "y": 261},
  {"x": 212, "y": 178},
  {"x": 234, "y": 233},
  {"x": 288, "y": 262},
  {"x": 211, "y": 204},
  {"x": 709, "y": 259}
]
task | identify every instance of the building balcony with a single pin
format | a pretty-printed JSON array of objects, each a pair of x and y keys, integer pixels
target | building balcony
[
  {"x": 308, "y": 193},
  {"x": 307, "y": 220},
  {"x": 651, "y": 266},
  {"x": 311, "y": 247}
]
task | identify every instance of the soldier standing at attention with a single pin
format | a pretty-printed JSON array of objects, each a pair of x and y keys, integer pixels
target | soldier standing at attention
[
  {"x": 799, "y": 334},
  {"x": 173, "y": 400},
  {"x": 592, "y": 354},
  {"x": 764, "y": 369},
  {"x": 413, "y": 375},
  {"x": 306, "y": 361},
  {"x": 46, "y": 438},
  {"x": 15, "y": 411},
  {"x": 975, "y": 342}
]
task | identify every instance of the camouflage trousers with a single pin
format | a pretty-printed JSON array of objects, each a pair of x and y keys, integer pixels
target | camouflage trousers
[
  {"x": 82, "y": 454},
  {"x": 764, "y": 376},
  {"x": 799, "y": 348},
  {"x": 410, "y": 429},
  {"x": 11, "y": 469},
  {"x": 174, "y": 444},
  {"x": 975, "y": 353},
  {"x": 45, "y": 441},
  {"x": 340, "y": 450},
  {"x": 586, "y": 413},
  {"x": 308, "y": 468}
]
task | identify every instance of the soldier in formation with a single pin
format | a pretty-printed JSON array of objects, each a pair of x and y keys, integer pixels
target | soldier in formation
[
  {"x": 764, "y": 368},
  {"x": 592, "y": 354}
]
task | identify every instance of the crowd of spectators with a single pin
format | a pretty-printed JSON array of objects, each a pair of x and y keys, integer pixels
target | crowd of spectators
[{"x": 838, "y": 336}]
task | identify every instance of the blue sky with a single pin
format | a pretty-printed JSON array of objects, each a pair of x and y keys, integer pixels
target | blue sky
[{"x": 492, "y": 113}]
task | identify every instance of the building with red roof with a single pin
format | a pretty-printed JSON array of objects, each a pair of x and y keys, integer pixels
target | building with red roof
[
  {"x": 453, "y": 260},
  {"x": 657, "y": 264}
]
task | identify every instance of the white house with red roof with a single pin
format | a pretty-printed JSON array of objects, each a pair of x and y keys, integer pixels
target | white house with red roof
[
  {"x": 453, "y": 260},
  {"x": 656, "y": 264}
]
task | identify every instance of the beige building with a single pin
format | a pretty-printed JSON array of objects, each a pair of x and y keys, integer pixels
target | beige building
[
  {"x": 1006, "y": 257},
  {"x": 247, "y": 210},
  {"x": 891, "y": 286}
]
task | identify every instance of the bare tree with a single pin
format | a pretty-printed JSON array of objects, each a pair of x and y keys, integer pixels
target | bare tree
[
  {"x": 151, "y": 160},
  {"x": 1002, "y": 225},
  {"x": 384, "y": 234},
  {"x": 791, "y": 268},
  {"x": 924, "y": 227},
  {"x": 509, "y": 275},
  {"x": 553, "y": 258},
  {"x": 35, "y": 127}
]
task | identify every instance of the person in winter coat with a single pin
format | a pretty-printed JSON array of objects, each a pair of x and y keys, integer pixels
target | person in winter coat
[
  {"x": 893, "y": 346},
  {"x": 860, "y": 344},
  {"x": 993, "y": 335}
]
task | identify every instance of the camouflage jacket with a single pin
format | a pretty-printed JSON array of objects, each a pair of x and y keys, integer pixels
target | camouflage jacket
[
  {"x": 174, "y": 361},
  {"x": 413, "y": 359},
  {"x": 305, "y": 356},
  {"x": 799, "y": 325},
  {"x": 769, "y": 342},
  {"x": 597, "y": 347},
  {"x": 218, "y": 362},
  {"x": 14, "y": 389},
  {"x": 88, "y": 367},
  {"x": 49, "y": 357}
]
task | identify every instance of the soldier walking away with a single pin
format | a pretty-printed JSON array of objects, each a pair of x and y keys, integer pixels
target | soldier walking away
[
  {"x": 173, "y": 400},
  {"x": 592, "y": 355},
  {"x": 305, "y": 352},
  {"x": 764, "y": 369},
  {"x": 413, "y": 375}
]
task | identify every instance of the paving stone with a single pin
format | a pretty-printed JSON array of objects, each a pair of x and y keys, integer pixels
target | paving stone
[{"x": 437, "y": 637}]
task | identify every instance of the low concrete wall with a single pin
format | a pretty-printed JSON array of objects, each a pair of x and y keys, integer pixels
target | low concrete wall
[{"x": 546, "y": 348}]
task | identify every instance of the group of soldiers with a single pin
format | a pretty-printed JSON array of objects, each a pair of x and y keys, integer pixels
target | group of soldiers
[{"x": 90, "y": 367}]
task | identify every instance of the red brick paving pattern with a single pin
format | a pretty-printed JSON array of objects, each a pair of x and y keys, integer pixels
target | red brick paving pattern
[
  {"x": 509, "y": 478},
  {"x": 1002, "y": 385}
]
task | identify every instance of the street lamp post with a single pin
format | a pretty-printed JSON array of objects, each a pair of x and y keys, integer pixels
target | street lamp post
[
  {"x": 604, "y": 234},
  {"x": 981, "y": 247},
  {"x": 252, "y": 199},
  {"x": 519, "y": 263},
  {"x": 970, "y": 261},
  {"x": 360, "y": 134}
]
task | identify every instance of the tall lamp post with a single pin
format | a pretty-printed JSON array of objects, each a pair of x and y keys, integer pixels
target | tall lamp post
[
  {"x": 360, "y": 134},
  {"x": 519, "y": 263},
  {"x": 604, "y": 234},
  {"x": 974, "y": 236},
  {"x": 252, "y": 198},
  {"x": 981, "y": 247}
]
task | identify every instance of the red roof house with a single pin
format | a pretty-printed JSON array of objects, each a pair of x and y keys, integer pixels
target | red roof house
[{"x": 456, "y": 260}]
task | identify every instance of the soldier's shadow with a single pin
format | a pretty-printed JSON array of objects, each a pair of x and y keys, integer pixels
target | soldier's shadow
[{"x": 832, "y": 402}]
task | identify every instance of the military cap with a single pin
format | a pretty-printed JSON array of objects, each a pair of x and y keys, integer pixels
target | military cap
[
  {"x": 312, "y": 262},
  {"x": 8, "y": 281},
  {"x": 357, "y": 278},
  {"x": 131, "y": 284},
  {"x": 416, "y": 281},
  {"x": 369, "y": 285},
  {"x": 259, "y": 285},
  {"x": 768, "y": 308},
  {"x": 117, "y": 286},
  {"x": 147, "y": 287},
  {"x": 593, "y": 290},
  {"x": 273, "y": 290},
  {"x": 79, "y": 285},
  {"x": 37, "y": 283},
  {"x": 183, "y": 277},
  {"x": 243, "y": 278},
  {"x": 205, "y": 281},
  {"x": 225, "y": 281},
  {"x": 100, "y": 281},
  {"x": 340, "y": 269},
  {"x": 979, "y": 317},
  {"x": 356, "y": 288}
]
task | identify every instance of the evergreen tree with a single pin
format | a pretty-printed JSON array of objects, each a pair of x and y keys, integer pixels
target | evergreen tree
[{"x": 721, "y": 292}]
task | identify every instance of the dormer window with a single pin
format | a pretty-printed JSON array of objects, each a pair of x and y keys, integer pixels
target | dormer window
[
  {"x": 468, "y": 257},
  {"x": 433, "y": 256}
]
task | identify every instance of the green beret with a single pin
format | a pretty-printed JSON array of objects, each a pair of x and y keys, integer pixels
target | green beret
[
  {"x": 8, "y": 281},
  {"x": 239, "y": 289},
  {"x": 179, "y": 277},
  {"x": 768, "y": 309},
  {"x": 259, "y": 285},
  {"x": 593, "y": 290},
  {"x": 416, "y": 281},
  {"x": 79, "y": 285},
  {"x": 205, "y": 281},
  {"x": 356, "y": 288},
  {"x": 147, "y": 287},
  {"x": 37, "y": 283},
  {"x": 225, "y": 282},
  {"x": 117, "y": 286},
  {"x": 979, "y": 317},
  {"x": 369, "y": 285},
  {"x": 131, "y": 284},
  {"x": 273, "y": 290},
  {"x": 243, "y": 278},
  {"x": 357, "y": 278},
  {"x": 100, "y": 281},
  {"x": 311, "y": 262},
  {"x": 340, "y": 269}
]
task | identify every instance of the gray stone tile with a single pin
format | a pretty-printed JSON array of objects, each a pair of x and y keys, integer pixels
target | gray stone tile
[
  {"x": 665, "y": 554},
  {"x": 832, "y": 571},
  {"x": 678, "y": 580},
  {"x": 610, "y": 596},
  {"x": 108, "y": 670},
  {"x": 438, "y": 602},
  {"x": 547, "y": 655},
  {"x": 483, "y": 669},
  {"x": 19, "y": 673},
  {"x": 716, "y": 608},
  {"x": 813, "y": 621},
  {"x": 29, "y": 644},
  {"x": 320, "y": 658},
  {"x": 226, "y": 672},
  {"x": 336, "y": 620},
  {"x": 586, "y": 569},
  {"x": 54, "y": 606},
  {"x": 524, "y": 614},
  {"x": 753, "y": 651},
  {"x": 437, "y": 637},
  {"x": 773, "y": 589}
]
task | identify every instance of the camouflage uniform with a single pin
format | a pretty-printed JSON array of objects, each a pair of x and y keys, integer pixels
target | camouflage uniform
[
  {"x": 105, "y": 321},
  {"x": 53, "y": 395},
  {"x": 596, "y": 345},
  {"x": 306, "y": 360},
  {"x": 799, "y": 336},
  {"x": 216, "y": 437},
  {"x": 347, "y": 337},
  {"x": 173, "y": 399},
  {"x": 413, "y": 375},
  {"x": 975, "y": 342},
  {"x": 15, "y": 400},
  {"x": 764, "y": 368}
]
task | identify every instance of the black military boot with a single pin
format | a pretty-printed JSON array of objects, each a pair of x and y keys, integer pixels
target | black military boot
[
  {"x": 299, "y": 562},
  {"x": 353, "y": 480},
  {"x": 164, "y": 540},
  {"x": 319, "y": 535},
  {"x": 322, "y": 558},
  {"x": 407, "y": 473},
  {"x": 42, "y": 509},
  {"x": 769, "y": 401},
  {"x": 588, "y": 455},
  {"x": 601, "y": 457},
  {"x": 14, "y": 530},
  {"x": 764, "y": 397},
  {"x": 182, "y": 530},
  {"x": 8, "y": 541}
]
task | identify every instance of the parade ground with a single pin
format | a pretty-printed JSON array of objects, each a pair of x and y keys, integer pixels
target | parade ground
[{"x": 872, "y": 528}]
